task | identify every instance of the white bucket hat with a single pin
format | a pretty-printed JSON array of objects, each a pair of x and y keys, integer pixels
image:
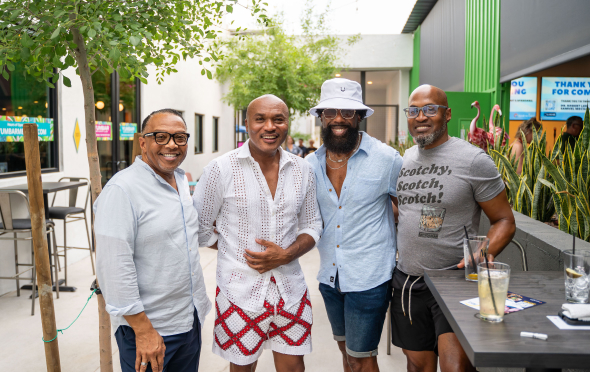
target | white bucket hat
[{"x": 341, "y": 94}]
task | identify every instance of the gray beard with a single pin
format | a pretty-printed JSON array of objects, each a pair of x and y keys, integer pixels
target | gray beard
[{"x": 429, "y": 139}]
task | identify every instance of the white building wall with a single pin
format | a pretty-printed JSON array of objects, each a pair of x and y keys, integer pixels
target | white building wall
[{"x": 404, "y": 87}]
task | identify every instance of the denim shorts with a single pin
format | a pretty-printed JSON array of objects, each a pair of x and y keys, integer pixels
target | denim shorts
[{"x": 357, "y": 317}]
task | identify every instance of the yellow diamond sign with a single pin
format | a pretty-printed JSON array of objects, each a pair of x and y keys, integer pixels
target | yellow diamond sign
[{"x": 77, "y": 135}]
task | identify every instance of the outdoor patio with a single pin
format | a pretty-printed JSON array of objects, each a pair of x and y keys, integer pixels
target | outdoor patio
[{"x": 21, "y": 348}]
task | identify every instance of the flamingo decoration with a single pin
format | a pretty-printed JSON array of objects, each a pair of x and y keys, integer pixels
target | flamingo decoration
[{"x": 480, "y": 137}]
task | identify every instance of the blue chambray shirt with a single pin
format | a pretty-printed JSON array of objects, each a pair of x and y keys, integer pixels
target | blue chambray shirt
[
  {"x": 148, "y": 257},
  {"x": 359, "y": 241}
]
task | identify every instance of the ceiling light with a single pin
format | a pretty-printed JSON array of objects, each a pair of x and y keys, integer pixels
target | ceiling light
[
  {"x": 337, "y": 75},
  {"x": 35, "y": 101},
  {"x": 369, "y": 82},
  {"x": 45, "y": 104},
  {"x": 4, "y": 109},
  {"x": 20, "y": 107},
  {"x": 121, "y": 107},
  {"x": 100, "y": 105}
]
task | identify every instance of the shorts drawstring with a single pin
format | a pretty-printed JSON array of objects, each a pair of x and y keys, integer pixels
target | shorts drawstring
[{"x": 409, "y": 297}]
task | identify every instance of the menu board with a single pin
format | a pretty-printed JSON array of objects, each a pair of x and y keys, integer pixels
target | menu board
[
  {"x": 11, "y": 128},
  {"x": 126, "y": 131},
  {"x": 104, "y": 130},
  {"x": 523, "y": 98},
  {"x": 564, "y": 97}
]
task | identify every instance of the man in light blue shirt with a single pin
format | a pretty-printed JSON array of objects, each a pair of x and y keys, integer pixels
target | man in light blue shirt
[
  {"x": 356, "y": 185},
  {"x": 148, "y": 263}
]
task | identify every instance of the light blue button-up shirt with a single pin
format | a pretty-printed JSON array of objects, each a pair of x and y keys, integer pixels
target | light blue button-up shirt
[
  {"x": 147, "y": 250},
  {"x": 359, "y": 241}
]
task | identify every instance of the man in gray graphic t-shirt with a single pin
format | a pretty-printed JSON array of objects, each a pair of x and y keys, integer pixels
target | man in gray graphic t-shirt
[{"x": 443, "y": 186}]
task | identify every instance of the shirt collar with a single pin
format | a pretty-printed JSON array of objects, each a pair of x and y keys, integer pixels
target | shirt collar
[{"x": 244, "y": 153}]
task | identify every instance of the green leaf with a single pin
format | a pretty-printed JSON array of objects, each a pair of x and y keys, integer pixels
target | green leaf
[
  {"x": 56, "y": 33},
  {"x": 134, "y": 40},
  {"x": 229, "y": 8},
  {"x": 10, "y": 66},
  {"x": 5, "y": 74},
  {"x": 70, "y": 61},
  {"x": 67, "y": 81},
  {"x": 91, "y": 33},
  {"x": 209, "y": 75},
  {"x": 115, "y": 54}
]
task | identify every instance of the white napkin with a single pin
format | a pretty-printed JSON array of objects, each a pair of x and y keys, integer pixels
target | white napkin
[{"x": 577, "y": 311}]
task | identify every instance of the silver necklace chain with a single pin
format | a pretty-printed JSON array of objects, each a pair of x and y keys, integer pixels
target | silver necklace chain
[{"x": 345, "y": 159}]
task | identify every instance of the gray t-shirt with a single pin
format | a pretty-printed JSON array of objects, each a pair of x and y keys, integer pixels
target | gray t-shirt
[{"x": 438, "y": 193}]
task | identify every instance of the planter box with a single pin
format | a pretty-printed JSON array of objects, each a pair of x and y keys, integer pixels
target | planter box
[{"x": 542, "y": 243}]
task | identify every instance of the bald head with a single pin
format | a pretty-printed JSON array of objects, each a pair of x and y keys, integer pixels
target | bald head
[
  {"x": 430, "y": 93},
  {"x": 267, "y": 100}
]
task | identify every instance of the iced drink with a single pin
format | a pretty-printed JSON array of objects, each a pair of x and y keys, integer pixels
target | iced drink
[
  {"x": 577, "y": 275},
  {"x": 473, "y": 249},
  {"x": 492, "y": 301}
]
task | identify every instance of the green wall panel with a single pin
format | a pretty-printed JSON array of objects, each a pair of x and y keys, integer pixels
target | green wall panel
[
  {"x": 415, "y": 71},
  {"x": 482, "y": 47}
]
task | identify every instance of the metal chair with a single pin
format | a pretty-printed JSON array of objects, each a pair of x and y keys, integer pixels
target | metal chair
[
  {"x": 70, "y": 214},
  {"x": 14, "y": 226}
]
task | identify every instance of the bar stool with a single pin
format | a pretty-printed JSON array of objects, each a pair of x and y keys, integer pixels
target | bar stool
[
  {"x": 70, "y": 214},
  {"x": 9, "y": 225}
]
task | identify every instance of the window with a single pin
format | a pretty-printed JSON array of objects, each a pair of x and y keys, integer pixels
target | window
[
  {"x": 215, "y": 134},
  {"x": 25, "y": 100},
  {"x": 198, "y": 134}
]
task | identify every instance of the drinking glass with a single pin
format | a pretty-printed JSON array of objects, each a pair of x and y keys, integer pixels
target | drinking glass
[
  {"x": 473, "y": 248},
  {"x": 492, "y": 287},
  {"x": 576, "y": 268}
]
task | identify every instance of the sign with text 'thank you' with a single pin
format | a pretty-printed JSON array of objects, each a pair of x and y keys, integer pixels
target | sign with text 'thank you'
[{"x": 564, "y": 97}]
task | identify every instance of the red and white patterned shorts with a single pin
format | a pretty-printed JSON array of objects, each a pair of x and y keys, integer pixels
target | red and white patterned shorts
[{"x": 241, "y": 335}]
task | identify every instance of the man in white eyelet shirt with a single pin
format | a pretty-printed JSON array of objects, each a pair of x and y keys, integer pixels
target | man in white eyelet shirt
[{"x": 263, "y": 201}]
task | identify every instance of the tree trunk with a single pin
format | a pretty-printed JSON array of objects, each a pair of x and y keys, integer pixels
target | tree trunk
[
  {"x": 39, "y": 234},
  {"x": 104, "y": 336}
]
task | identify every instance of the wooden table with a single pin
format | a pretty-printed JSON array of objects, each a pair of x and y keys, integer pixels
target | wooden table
[
  {"x": 500, "y": 344},
  {"x": 48, "y": 188}
]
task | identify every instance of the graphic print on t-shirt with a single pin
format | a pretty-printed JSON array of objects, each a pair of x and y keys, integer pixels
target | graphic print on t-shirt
[
  {"x": 431, "y": 221},
  {"x": 428, "y": 191}
]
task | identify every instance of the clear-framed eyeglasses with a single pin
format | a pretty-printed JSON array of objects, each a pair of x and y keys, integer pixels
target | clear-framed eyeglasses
[
  {"x": 331, "y": 113},
  {"x": 162, "y": 138},
  {"x": 428, "y": 110}
]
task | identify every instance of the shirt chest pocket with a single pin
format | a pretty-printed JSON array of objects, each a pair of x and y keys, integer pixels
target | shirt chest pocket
[
  {"x": 160, "y": 250},
  {"x": 365, "y": 190}
]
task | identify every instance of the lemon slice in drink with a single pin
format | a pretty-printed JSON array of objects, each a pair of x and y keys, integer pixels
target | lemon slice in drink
[
  {"x": 572, "y": 273},
  {"x": 472, "y": 276}
]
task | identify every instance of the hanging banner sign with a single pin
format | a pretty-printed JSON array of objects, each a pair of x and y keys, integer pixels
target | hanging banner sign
[
  {"x": 564, "y": 97},
  {"x": 104, "y": 130},
  {"x": 126, "y": 131},
  {"x": 11, "y": 128},
  {"x": 523, "y": 98}
]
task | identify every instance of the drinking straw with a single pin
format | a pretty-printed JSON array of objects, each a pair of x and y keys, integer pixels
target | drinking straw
[
  {"x": 469, "y": 249},
  {"x": 574, "y": 245},
  {"x": 485, "y": 256}
]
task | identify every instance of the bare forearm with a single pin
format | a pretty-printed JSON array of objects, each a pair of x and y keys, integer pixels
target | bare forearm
[
  {"x": 303, "y": 244},
  {"x": 139, "y": 322},
  {"x": 500, "y": 235}
]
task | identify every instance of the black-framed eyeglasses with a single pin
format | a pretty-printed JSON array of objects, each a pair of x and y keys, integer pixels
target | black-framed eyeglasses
[
  {"x": 428, "y": 110},
  {"x": 162, "y": 138},
  {"x": 331, "y": 113}
]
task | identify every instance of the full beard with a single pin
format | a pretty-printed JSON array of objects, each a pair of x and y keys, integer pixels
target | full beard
[
  {"x": 340, "y": 145},
  {"x": 429, "y": 139}
]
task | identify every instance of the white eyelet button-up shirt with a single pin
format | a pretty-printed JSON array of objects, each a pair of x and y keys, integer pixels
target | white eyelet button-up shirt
[
  {"x": 145, "y": 232},
  {"x": 233, "y": 192}
]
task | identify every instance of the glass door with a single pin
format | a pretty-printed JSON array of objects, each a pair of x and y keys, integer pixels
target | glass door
[{"x": 117, "y": 110}]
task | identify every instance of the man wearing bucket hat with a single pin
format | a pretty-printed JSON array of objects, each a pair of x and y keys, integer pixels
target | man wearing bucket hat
[{"x": 356, "y": 177}]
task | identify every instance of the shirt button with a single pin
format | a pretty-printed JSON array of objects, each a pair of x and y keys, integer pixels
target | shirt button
[
  {"x": 330, "y": 190},
  {"x": 338, "y": 226},
  {"x": 333, "y": 264},
  {"x": 340, "y": 207},
  {"x": 193, "y": 274},
  {"x": 338, "y": 246}
]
